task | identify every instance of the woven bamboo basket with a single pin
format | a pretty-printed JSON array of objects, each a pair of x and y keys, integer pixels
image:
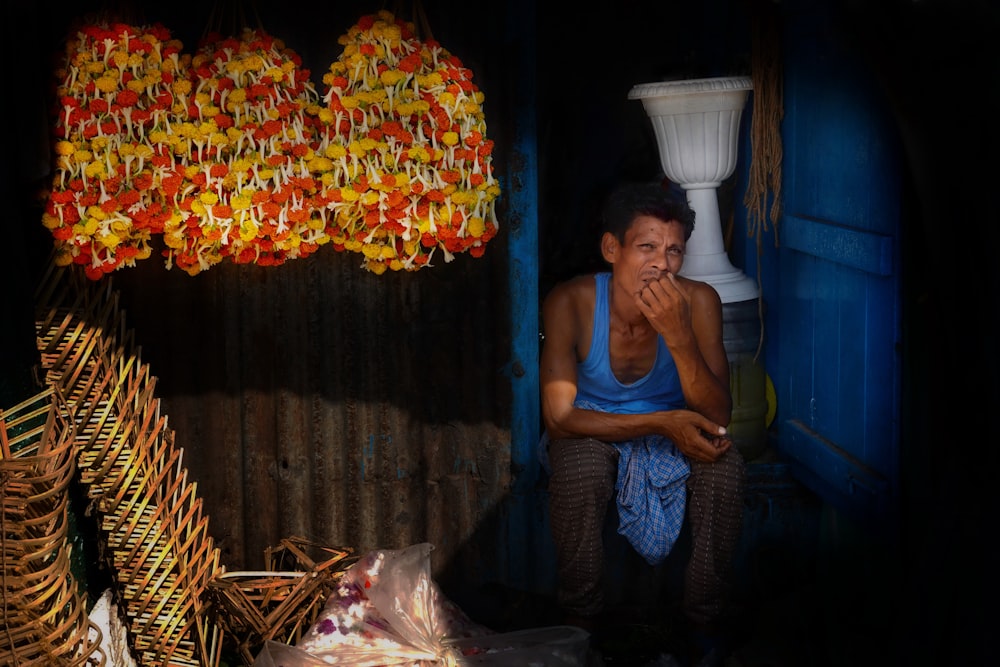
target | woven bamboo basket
[
  {"x": 42, "y": 612},
  {"x": 281, "y": 603},
  {"x": 154, "y": 533}
]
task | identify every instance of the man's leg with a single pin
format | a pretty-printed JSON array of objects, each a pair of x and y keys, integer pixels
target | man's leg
[
  {"x": 715, "y": 510},
  {"x": 580, "y": 488}
]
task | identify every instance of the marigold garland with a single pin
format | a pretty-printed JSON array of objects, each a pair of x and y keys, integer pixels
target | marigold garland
[
  {"x": 231, "y": 153},
  {"x": 246, "y": 192},
  {"x": 403, "y": 157},
  {"x": 115, "y": 88}
]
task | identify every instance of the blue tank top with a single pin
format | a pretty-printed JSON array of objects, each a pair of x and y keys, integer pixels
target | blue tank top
[{"x": 596, "y": 384}]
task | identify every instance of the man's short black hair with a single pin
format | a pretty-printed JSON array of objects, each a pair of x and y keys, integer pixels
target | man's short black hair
[{"x": 629, "y": 201}]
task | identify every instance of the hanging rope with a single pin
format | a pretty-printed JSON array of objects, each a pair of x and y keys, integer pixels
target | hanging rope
[{"x": 765, "y": 135}]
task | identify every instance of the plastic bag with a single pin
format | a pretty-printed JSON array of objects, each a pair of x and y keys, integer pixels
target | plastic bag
[{"x": 388, "y": 611}]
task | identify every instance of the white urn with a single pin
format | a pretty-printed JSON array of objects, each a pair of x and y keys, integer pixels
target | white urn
[{"x": 696, "y": 123}]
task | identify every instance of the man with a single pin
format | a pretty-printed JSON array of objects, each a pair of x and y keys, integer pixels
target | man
[{"x": 635, "y": 399}]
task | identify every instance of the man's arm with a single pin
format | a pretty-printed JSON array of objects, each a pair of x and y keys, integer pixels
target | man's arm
[
  {"x": 688, "y": 314},
  {"x": 563, "y": 316}
]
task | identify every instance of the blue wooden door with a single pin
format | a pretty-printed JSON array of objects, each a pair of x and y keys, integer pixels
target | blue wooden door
[{"x": 834, "y": 305}]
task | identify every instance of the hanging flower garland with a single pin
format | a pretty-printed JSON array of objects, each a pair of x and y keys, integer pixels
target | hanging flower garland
[
  {"x": 243, "y": 186},
  {"x": 115, "y": 88},
  {"x": 403, "y": 158}
]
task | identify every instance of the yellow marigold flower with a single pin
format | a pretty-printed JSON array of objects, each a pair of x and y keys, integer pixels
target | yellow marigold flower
[
  {"x": 320, "y": 164},
  {"x": 248, "y": 230},
  {"x": 446, "y": 99},
  {"x": 83, "y": 156},
  {"x": 266, "y": 174},
  {"x": 353, "y": 245},
  {"x": 65, "y": 148},
  {"x": 357, "y": 148},
  {"x": 493, "y": 190},
  {"x": 339, "y": 237},
  {"x": 95, "y": 170},
  {"x": 241, "y": 202},
  {"x": 391, "y": 77},
  {"x": 336, "y": 151},
  {"x": 137, "y": 85},
  {"x": 276, "y": 74},
  {"x": 50, "y": 221},
  {"x": 378, "y": 268},
  {"x": 406, "y": 109},
  {"x": 90, "y": 227},
  {"x": 63, "y": 256},
  {"x": 209, "y": 198},
  {"x": 349, "y": 102},
  {"x": 396, "y": 264},
  {"x": 197, "y": 207},
  {"x": 349, "y": 194},
  {"x": 367, "y": 143},
  {"x": 410, "y": 247},
  {"x": 158, "y": 137},
  {"x": 273, "y": 113},
  {"x": 326, "y": 116},
  {"x": 173, "y": 240},
  {"x": 450, "y": 138},
  {"x": 476, "y": 227},
  {"x": 388, "y": 251},
  {"x": 94, "y": 67},
  {"x": 144, "y": 151},
  {"x": 315, "y": 224},
  {"x": 429, "y": 80},
  {"x": 182, "y": 87},
  {"x": 236, "y": 97},
  {"x": 328, "y": 179},
  {"x": 109, "y": 240},
  {"x": 144, "y": 252},
  {"x": 369, "y": 198},
  {"x": 191, "y": 170},
  {"x": 419, "y": 154}
]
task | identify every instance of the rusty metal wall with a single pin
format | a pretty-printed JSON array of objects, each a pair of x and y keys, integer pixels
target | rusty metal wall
[{"x": 316, "y": 399}]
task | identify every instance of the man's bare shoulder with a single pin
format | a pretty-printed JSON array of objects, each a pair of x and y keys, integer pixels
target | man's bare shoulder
[
  {"x": 701, "y": 292},
  {"x": 572, "y": 290}
]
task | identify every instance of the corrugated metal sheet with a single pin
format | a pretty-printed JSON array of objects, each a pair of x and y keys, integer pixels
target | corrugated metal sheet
[{"x": 319, "y": 400}]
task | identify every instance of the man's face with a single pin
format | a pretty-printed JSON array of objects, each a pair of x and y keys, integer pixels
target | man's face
[{"x": 651, "y": 249}]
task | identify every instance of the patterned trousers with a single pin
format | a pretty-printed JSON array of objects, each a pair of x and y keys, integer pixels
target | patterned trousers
[{"x": 581, "y": 487}]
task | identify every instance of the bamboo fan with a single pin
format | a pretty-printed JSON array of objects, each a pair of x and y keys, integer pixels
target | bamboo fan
[
  {"x": 42, "y": 612},
  {"x": 152, "y": 529}
]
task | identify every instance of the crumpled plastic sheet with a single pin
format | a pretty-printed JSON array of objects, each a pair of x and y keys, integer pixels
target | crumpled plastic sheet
[{"x": 387, "y": 610}]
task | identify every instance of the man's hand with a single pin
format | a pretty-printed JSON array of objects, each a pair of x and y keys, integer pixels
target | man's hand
[
  {"x": 667, "y": 306},
  {"x": 697, "y": 437}
]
